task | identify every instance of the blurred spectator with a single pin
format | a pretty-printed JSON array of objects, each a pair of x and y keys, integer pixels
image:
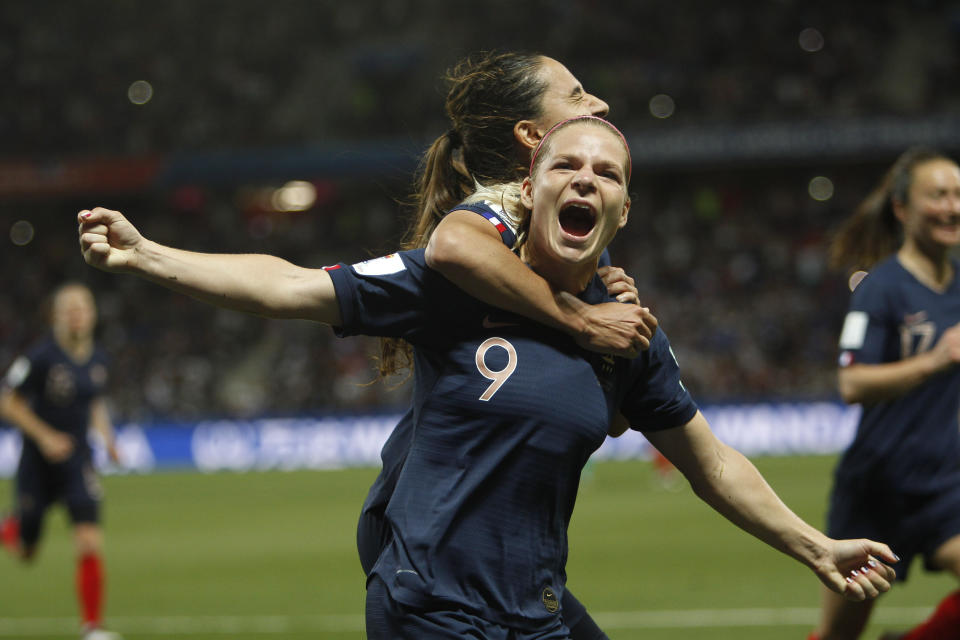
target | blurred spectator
[
  {"x": 228, "y": 74},
  {"x": 730, "y": 259},
  {"x": 732, "y": 264}
]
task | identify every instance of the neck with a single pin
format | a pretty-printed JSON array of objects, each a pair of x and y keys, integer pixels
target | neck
[
  {"x": 571, "y": 277},
  {"x": 933, "y": 268},
  {"x": 76, "y": 346}
]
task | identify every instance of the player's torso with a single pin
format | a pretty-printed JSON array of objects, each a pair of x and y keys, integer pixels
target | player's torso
[
  {"x": 64, "y": 388},
  {"x": 913, "y": 439},
  {"x": 920, "y": 315},
  {"x": 512, "y": 414}
]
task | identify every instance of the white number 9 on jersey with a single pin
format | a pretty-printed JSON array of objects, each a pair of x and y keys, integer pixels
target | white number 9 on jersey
[{"x": 498, "y": 377}]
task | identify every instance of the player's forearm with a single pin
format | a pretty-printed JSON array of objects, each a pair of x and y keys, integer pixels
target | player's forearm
[
  {"x": 870, "y": 383},
  {"x": 253, "y": 283},
  {"x": 480, "y": 264},
  {"x": 15, "y": 411},
  {"x": 100, "y": 420},
  {"x": 735, "y": 489}
]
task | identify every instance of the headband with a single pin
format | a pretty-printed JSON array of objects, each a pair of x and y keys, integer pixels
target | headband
[{"x": 562, "y": 123}]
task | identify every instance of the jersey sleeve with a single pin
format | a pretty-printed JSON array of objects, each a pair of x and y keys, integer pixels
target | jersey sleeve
[
  {"x": 26, "y": 373},
  {"x": 394, "y": 296},
  {"x": 495, "y": 216},
  {"x": 380, "y": 297},
  {"x": 657, "y": 399},
  {"x": 867, "y": 327}
]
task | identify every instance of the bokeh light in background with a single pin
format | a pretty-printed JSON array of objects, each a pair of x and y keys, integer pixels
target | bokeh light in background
[
  {"x": 820, "y": 189},
  {"x": 296, "y": 195},
  {"x": 755, "y": 128},
  {"x": 140, "y": 92},
  {"x": 662, "y": 106},
  {"x": 811, "y": 40},
  {"x": 21, "y": 233}
]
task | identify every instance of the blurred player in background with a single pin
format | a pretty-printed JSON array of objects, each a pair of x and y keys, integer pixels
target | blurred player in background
[
  {"x": 480, "y": 510},
  {"x": 899, "y": 481},
  {"x": 54, "y": 395}
]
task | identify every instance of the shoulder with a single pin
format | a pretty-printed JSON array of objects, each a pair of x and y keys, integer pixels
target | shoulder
[
  {"x": 43, "y": 351},
  {"x": 36, "y": 358},
  {"x": 500, "y": 218},
  {"x": 878, "y": 282},
  {"x": 401, "y": 263}
]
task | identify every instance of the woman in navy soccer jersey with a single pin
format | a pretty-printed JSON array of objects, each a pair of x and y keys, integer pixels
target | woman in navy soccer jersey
[
  {"x": 480, "y": 509},
  {"x": 899, "y": 481},
  {"x": 54, "y": 395},
  {"x": 499, "y": 106}
]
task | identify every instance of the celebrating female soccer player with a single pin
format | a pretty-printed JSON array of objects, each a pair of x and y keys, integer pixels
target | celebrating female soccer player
[
  {"x": 899, "y": 481},
  {"x": 507, "y": 412},
  {"x": 499, "y": 106},
  {"x": 54, "y": 394}
]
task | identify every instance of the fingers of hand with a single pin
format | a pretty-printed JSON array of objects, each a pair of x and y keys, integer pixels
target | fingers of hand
[
  {"x": 885, "y": 554},
  {"x": 95, "y": 227},
  {"x": 93, "y": 242},
  {"x": 870, "y": 578},
  {"x": 618, "y": 286},
  {"x": 623, "y": 292},
  {"x": 610, "y": 274},
  {"x": 90, "y": 215},
  {"x": 853, "y": 591},
  {"x": 885, "y": 571},
  {"x": 649, "y": 319}
]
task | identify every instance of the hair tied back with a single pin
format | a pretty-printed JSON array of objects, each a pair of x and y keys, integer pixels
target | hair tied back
[{"x": 454, "y": 137}]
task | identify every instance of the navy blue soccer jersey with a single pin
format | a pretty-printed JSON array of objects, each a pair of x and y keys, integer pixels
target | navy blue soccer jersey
[
  {"x": 58, "y": 389},
  {"x": 505, "y": 414},
  {"x": 373, "y": 532},
  {"x": 911, "y": 443}
]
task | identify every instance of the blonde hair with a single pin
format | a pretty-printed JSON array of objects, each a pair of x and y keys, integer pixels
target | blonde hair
[{"x": 506, "y": 196}]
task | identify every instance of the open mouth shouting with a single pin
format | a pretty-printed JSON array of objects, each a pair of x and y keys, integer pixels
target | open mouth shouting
[{"x": 577, "y": 219}]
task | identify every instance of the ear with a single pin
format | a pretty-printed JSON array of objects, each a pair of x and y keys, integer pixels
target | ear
[
  {"x": 526, "y": 193},
  {"x": 623, "y": 214},
  {"x": 527, "y": 133},
  {"x": 899, "y": 210}
]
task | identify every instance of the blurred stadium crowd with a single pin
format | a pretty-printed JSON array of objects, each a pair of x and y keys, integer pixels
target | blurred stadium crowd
[
  {"x": 729, "y": 255},
  {"x": 239, "y": 74}
]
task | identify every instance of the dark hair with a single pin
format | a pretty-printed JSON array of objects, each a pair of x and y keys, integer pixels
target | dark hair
[
  {"x": 873, "y": 232},
  {"x": 488, "y": 94}
]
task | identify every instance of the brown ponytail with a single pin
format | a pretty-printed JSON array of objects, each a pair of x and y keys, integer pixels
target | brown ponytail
[
  {"x": 442, "y": 182},
  {"x": 488, "y": 95}
]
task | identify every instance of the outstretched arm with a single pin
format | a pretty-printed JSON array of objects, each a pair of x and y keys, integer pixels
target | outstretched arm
[
  {"x": 468, "y": 251},
  {"x": 723, "y": 478},
  {"x": 254, "y": 283}
]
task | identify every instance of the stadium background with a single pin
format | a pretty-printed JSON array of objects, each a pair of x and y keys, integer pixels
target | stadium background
[{"x": 292, "y": 128}]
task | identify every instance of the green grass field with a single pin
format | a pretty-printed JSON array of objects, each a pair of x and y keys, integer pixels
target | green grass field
[{"x": 264, "y": 556}]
